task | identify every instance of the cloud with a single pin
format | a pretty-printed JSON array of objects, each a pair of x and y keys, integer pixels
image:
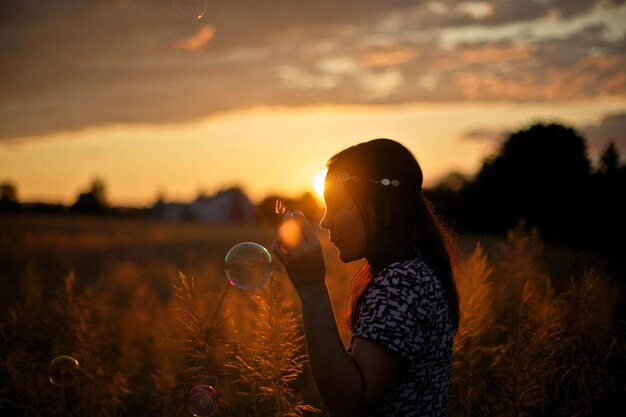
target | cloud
[
  {"x": 494, "y": 53},
  {"x": 494, "y": 13},
  {"x": 586, "y": 78},
  {"x": 389, "y": 57},
  {"x": 477, "y": 10},
  {"x": 485, "y": 135},
  {"x": 337, "y": 65},
  {"x": 294, "y": 77},
  {"x": 380, "y": 84},
  {"x": 611, "y": 128},
  {"x": 197, "y": 41}
]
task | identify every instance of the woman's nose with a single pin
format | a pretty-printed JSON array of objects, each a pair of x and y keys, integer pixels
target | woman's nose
[{"x": 325, "y": 223}]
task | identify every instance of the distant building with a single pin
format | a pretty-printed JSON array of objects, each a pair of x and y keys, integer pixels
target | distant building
[
  {"x": 227, "y": 206},
  {"x": 173, "y": 212}
]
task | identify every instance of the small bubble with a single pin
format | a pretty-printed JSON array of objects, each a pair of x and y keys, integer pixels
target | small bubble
[
  {"x": 63, "y": 371},
  {"x": 202, "y": 401},
  {"x": 248, "y": 266},
  {"x": 190, "y": 9}
]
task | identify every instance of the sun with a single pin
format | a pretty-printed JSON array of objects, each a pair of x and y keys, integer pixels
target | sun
[{"x": 318, "y": 183}]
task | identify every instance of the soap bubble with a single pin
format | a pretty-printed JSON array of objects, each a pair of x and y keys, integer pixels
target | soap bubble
[
  {"x": 63, "y": 371},
  {"x": 202, "y": 401},
  {"x": 248, "y": 266},
  {"x": 190, "y": 9}
]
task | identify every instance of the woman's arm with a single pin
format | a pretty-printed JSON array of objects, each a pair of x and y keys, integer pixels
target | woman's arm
[{"x": 347, "y": 382}]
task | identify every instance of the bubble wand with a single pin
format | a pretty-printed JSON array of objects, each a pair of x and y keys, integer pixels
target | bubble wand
[{"x": 281, "y": 207}]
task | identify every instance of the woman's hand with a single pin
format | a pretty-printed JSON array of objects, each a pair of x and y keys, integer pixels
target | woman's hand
[{"x": 301, "y": 252}]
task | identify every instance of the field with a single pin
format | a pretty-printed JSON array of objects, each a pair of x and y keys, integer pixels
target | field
[{"x": 146, "y": 310}]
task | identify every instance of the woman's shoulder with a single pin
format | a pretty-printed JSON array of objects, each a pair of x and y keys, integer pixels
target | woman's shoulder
[
  {"x": 411, "y": 273},
  {"x": 408, "y": 268}
]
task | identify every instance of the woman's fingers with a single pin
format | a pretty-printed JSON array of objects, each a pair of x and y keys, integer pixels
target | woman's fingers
[
  {"x": 305, "y": 227},
  {"x": 299, "y": 250},
  {"x": 296, "y": 238},
  {"x": 279, "y": 251},
  {"x": 290, "y": 234}
]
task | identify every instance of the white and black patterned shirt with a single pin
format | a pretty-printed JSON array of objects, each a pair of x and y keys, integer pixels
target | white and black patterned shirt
[{"x": 405, "y": 309}]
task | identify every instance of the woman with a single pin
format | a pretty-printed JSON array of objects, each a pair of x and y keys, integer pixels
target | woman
[{"x": 404, "y": 304}]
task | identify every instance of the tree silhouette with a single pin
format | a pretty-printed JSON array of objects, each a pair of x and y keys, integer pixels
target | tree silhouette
[
  {"x": 609, "y": 160},
  {"x": 541, "y": 175},
  {"x": 93, "y": 200},
  {"x": 537, "y": 176},
  {"x": 608, "y": 208},
  {"x": 8, "y": 197}
]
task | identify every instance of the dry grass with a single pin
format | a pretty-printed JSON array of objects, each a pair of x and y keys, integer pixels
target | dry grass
[
  {"x": 110, "y": 294},
  {"x": 525, "y": 350},
  {"x": 270, "y": 360}
]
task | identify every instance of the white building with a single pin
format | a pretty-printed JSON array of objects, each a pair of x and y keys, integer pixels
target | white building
[{"x": 227, "y": 206}]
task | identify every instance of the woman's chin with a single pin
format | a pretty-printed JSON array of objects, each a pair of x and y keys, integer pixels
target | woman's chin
[{"x": 346, "y": 257}]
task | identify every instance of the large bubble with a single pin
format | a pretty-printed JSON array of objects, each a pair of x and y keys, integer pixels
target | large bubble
[
  {"x": 190, "y": 9},
  {"x": 202, "y": 401},
  {"x": 63, "y": 371},
  {"x": 248, "y": 266}
]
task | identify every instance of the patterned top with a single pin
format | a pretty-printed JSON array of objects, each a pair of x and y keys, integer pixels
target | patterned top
[{"x": 405, "y": 309}]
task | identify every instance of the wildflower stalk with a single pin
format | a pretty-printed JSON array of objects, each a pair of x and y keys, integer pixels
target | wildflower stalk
[
  {"x": 272, "y": 359},
  {"x": 198, "y": 345}
]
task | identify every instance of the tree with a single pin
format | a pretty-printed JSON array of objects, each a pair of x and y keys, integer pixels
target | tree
[
  {"x": 8, "y": 196},
  {"x": 606, "y": 192},
  {"x": 609, "y": 160},
  {"x": 448, "y": 199},
  {"x": 540, "y": 175},
  {"x": 93, "y": 200}
]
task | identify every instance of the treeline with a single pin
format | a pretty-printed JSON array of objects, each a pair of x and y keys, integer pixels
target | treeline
[
  {"x": 93, "y": 200},
  {"x": 542, "y": 176}
]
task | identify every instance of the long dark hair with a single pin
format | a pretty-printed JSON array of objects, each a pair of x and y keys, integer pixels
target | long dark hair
[{"x": 399, "y": 221}]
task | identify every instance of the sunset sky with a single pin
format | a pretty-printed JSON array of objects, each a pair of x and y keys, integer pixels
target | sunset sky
[{"x": 261, "y": 93}]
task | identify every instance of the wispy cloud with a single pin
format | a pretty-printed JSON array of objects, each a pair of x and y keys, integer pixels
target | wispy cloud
[
  {"x": 609, "y": 129},
  {"x": 477, "y": 10},
  {"x": 496, "y": 53},
  {"x": 387, "y": 57},
  {"x": 196, "y": 41},
  {"x": 598, "y": 135},
  {"x": 485, "y": 135}
]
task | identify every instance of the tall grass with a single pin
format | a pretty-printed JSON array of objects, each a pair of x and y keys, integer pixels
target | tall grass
[
  {"x": 525, "y": 350},
  {"x": 198, "y": 348},
  {"x": 76, "y": 324},
  {"x": 529, "y": 342},
  {"x": 271, "y": 360}
]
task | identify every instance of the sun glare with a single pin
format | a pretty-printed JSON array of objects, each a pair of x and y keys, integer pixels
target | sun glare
[{"x": 318, "y": 183}]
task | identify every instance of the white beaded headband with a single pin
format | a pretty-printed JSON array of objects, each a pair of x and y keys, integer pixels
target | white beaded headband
[{"x": 345, "y": 177}]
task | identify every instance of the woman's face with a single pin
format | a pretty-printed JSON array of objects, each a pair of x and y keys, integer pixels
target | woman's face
[{"x": 343, "y": 221}]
